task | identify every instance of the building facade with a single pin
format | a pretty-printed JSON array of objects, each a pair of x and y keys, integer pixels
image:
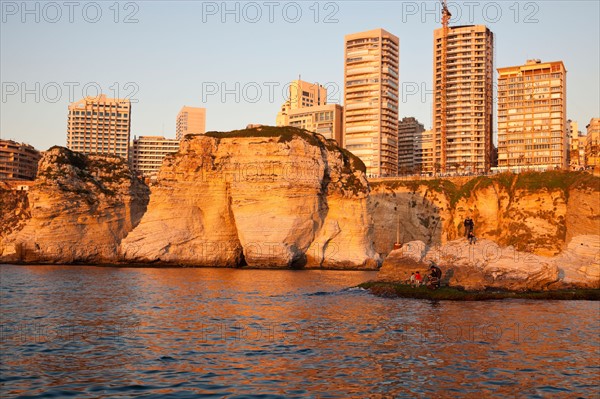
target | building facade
[
  {"x": 99, "y": 125},
  {"x": 423, "y": 150},
  {"x": 409, "y": 131},
  {"x": 301, "y": 94},
  {"x": 307, "y": 108},
  {"x": 532, "y": 122},
  {"x": 576, "y": 153},
  {"x": 190, "y": 120},
  {"x": 592, "y": 143},
  {"x": 18, "y": 161},
  {"x": 466, "y": 141},
  {"x": 148, "y": 152},
  {"x": 371, "y": 100}
]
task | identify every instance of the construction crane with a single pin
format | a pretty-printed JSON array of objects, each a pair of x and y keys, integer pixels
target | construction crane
[{"x": 446, "y": 15}]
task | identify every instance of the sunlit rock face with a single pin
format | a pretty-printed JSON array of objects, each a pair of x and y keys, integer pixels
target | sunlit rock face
[
  {"x": 539, "y": 213},
  {"x": 486, "y": 265},
  {"x": 262, "y": 197},
  {"x": 78, "y": 210}
]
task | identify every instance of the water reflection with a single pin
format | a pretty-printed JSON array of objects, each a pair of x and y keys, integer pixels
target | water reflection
[{"x": 110, "y": 332}]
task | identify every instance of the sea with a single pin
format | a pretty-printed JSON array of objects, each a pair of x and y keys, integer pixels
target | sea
[{"x": 121, "y": 332}]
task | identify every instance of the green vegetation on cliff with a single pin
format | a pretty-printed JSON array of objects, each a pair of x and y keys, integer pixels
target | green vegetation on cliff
[
  {"x": 530, "y": 181},
  {"x": 287, "y": 134}
]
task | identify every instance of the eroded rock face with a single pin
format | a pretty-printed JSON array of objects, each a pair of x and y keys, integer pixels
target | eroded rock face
[
  {"x": 486, "y": 265},
  {"x": 80, "y": 208},
  {"x": 537, "y": 213},
  {"x": 264, "y": 197}
]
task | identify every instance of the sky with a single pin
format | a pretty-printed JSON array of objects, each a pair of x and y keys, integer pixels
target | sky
[{"x": 236, "y": 58}]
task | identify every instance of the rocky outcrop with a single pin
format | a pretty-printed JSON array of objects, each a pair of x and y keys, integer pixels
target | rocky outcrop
[
  {"x": 538, "y": 213},
  {"x": 79, "y": 209},
  {"x": 15, "y": 210},
  {"x": 263, "y": 197},
  {"x": 486, "y": 265}
]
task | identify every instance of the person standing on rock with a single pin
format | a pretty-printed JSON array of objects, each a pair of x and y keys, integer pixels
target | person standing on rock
[
  {"x": 469, "y": 226},
  {"x": 412, "y": 279}
]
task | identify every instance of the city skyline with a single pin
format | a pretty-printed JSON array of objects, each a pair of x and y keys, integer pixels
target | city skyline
[{"x": 229, "y": 67}]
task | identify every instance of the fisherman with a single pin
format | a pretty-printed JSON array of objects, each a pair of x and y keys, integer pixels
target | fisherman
[
  {"x": 469, "y": 226},
  {"x": 435, "y": 276},
  {"x": 471, "y": 238}
]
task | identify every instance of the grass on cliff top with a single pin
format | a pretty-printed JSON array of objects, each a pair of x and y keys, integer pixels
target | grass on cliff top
[
  {"x": 393, "y": 290},
  {"x": 557, "y": 180},
  {"x": 530, "y": 181},
  {"x": 287, "y": 134}
]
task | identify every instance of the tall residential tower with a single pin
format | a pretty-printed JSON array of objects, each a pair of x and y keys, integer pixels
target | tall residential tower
[
  {"x": 371, "y": 100},
  {"x": 465, "y": 140}
]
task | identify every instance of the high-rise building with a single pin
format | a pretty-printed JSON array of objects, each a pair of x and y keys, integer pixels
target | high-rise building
[
  {"x": 532, "y": 122},
  {"x": 99, "y": 125},
  {"x": 18, "y": 161},
  {"x": 190, "y": 120},
  {"x": 148, "y": 153},
  {"x": 371, "y": 100},
  {"x": 592, "y": 143},
  {"x": 468, "y": 65},
  {"x": 409, "y": 131}
]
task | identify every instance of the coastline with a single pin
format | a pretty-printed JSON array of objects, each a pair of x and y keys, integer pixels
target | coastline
[
  {"x": 161, "y": 265},
  {"x": 397, "y": 290}
]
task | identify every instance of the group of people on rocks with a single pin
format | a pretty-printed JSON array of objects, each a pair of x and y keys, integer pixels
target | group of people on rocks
[{"x": 431, "y": 281}]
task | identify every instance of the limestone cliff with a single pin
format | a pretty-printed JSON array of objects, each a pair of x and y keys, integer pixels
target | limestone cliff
[
  {"x": 78, "y": 210},
  {"x": 539, "y": 213},
  {"x": 262, "y": 197}
]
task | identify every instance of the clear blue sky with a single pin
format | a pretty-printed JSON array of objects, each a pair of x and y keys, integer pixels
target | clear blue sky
[{"x": 237, "y": 61}]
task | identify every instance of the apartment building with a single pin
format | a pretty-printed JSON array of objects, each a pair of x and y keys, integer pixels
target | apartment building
[
  {"x": 409, "y": 131},
  {"x": 18, "y": 161},
  {"x": 307, "y": 108},
  {"x": 592, "y": 143},
  {"x": 532, "y": 122},
  {"x": 466, "y": 140},
  {"x": 190, "y": 120},
  {"x": 371, "y": 100},
  {"x": 148, "y": 153},
  {"x": 99, "y": 125}
]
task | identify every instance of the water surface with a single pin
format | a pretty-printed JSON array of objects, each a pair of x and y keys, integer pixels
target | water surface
[{"x": 93, "y": 332}]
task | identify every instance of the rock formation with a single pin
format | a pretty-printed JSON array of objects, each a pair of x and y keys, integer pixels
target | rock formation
[
  {"x": 262, "y": 197},
  {"x": 538, "y": 213},
  {"x": 285, "y": 197},
  {"x": 78, "y": 210},
  {"x": 486, "y": 265}
]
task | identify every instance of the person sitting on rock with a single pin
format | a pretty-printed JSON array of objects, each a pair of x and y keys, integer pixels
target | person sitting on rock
[
  {"x": 411, "y": 280},
  {"x": 471, "y": 238},
  {"x": 435, "y": 276},
  {"x": 418, "y": 279}
]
